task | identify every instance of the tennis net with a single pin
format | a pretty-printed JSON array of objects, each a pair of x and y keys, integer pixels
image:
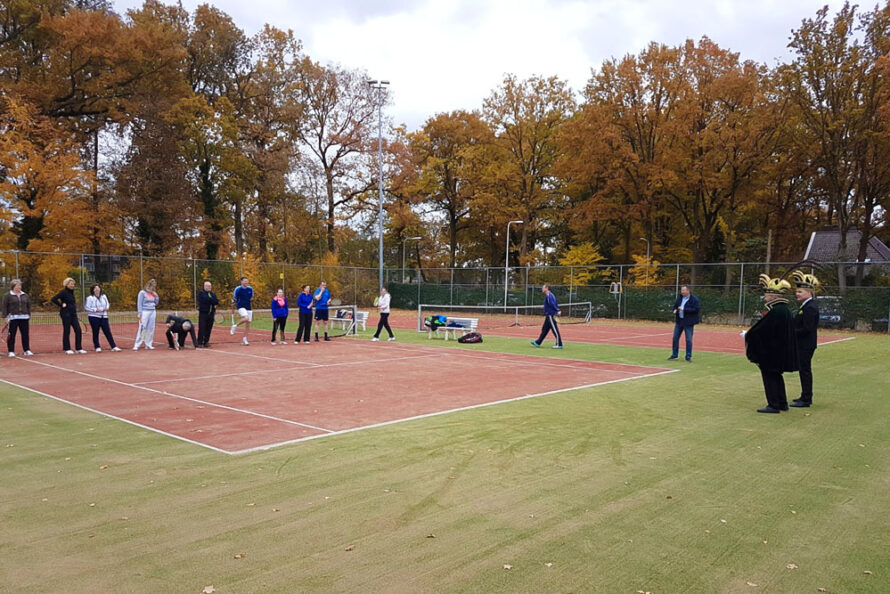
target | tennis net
[
  {"x": 498, "y": 316},
  {"x": 45, "y": 328}
]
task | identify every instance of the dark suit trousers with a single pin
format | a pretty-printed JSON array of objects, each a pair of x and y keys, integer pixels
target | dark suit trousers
[
  {"x": 205, "y": 326},
  {"x": 806, "y": 375},
  {"x": 774, "y": 386}
]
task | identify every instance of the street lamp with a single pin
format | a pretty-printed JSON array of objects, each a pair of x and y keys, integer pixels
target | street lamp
[
  {"x": 379, "y": 85},
  {"x": 507, "y": 262},
  {"x": 403, "y": 254},
  {"x": 647, "y": 259}
]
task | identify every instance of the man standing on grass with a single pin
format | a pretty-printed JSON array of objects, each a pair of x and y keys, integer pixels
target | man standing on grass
[
  {"x": 551, "y": 310},
  {"x": 806, "y": 323},
  {"x": 771, "y": 344},
  {"x": 686, "y": 316},
  {"x": 322, "y": 298},
  {"x": 241, "y": 300}
]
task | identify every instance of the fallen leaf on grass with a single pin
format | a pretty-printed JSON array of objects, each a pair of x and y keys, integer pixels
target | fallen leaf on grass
[
  {"x": 669, "y": 497},
  {"x": 867, "y": 572},
  {"x": 752, "y": 584},
  {"x": 431, "y": 535},
  {"x": 861, "y": 445},
  {"x": 92, "y": 505},
  {"x": 240, "y": 555},
  {"x": 251, "y": 504},
  {"x": 208, "y": 590},
  {"x": 124, "y": 518},
  {"x": 275, "y": 509},
  {"x": 103, "y": 467},
  {"x": 766, "y": 542},
  {"x": 548, "y": 565},
  {"x": 349, "y": 548},
  {"x": 821, "y": 590},
  {"x": 791, "y": 566},
  {"x": 507, "y": 566}
]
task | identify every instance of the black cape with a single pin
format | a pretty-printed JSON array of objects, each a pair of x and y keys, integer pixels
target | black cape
[{"x": 771, "y": 342}]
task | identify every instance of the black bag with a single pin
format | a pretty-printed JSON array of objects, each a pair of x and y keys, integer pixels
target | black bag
[{"x": 470, "y": 338}]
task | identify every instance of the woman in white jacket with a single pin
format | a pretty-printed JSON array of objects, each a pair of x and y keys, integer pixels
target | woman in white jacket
[
  {"x": 382, "y": 304},
  {"x": 147, "y": 305},
  {"x": 96, "y": 307}
]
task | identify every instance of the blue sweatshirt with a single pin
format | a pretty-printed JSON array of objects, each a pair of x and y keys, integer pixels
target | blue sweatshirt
[
  {"x": 305, "y": 303},
  {"x": 279, "y": 311},
  {"x": 551, "y": 307}
]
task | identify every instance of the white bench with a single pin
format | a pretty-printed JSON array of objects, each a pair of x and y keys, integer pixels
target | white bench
[
  {"x": 361, "y": 320},
  {"x": 464, "y": 325}
]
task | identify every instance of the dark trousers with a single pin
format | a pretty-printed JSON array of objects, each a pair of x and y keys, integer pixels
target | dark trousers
[
  {"x": 305, "y": 328},
  {"x": 16, "y": 326},
  {"x": 383, "y": 323},
  {"x": 675, "y": 343},
  {"x": 806, "y": 375},
  {"x": 550, "y": 324},
  {"x": 774, "y": 386},
  {"x": 205, "y": 326},
  {"x": 101, "y": 324},
  {"x": 278, "y": 324},
  {"x": 180, "y": 337},
  {"x": 69, "y": 322}
]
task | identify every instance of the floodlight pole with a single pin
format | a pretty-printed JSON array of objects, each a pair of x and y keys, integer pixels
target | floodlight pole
[
  {"x": 507, "y": 263},
  {"x": 403, "y": 254},
  {"x": 647, "y": 259},
  {"x": 379, "y": 84}
]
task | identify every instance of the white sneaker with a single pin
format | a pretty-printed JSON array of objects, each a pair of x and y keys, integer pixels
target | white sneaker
[
  {"x": 375, "y": 339},
  {"x": 81, "y": 352},
  {"x": 11, "y": 355},
  {"x": 28, "y": 354},
  {"x": 391, "y": 339},
  {"x": 69, "y": 352},
  {"x": 274, "y": 343},
  {"x": 282, "y": 342},
  {"x": 149, "y": 347},
  {"x": 233, "y": 329},
  {"x": 116, "y": 349},
  {"x": 135, "y": 348},
  {"x": 244, "y": 342},
  {"x": 98, "y": 349}
]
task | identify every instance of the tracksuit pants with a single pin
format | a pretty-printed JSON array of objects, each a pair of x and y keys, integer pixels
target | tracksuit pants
[{"x": 550, "y": 324}]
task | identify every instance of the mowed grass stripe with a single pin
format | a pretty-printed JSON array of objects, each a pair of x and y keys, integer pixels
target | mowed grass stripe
[{"x": 567, "y": 479}]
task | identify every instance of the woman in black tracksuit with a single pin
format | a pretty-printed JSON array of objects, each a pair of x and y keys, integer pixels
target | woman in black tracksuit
[{"x": 67, "y": 305}]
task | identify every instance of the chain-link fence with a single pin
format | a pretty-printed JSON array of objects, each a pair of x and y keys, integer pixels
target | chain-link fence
[{"x": 729, "y": 293}]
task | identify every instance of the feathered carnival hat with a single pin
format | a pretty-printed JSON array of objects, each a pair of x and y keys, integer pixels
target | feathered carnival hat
[
  {"x": 776, "y": 286},
  {"x": 805, "y": 281}
]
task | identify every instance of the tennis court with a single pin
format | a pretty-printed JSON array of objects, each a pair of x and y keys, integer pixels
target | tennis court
[{"x": 235, "y": 399}]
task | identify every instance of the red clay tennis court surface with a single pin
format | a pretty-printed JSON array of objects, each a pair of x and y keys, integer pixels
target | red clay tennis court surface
[{"x": 236, "y": 399}]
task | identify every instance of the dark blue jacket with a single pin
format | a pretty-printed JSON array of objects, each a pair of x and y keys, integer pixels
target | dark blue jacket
[
  {"x": 691, "y": 312},
  {"x": 207, "y": 302},
  {"x": 551, "y": 307},
  {"x": 279, "y": 311},
  {"x": 305, "y": 303}
]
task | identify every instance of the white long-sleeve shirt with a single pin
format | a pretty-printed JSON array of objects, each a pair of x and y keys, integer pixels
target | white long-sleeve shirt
[
  {"x": 383, "y": 304},
  {"x": 96, "y": 307}
]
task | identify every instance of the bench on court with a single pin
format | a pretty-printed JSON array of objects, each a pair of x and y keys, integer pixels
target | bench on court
[
  {"x": 462, "y": 325},
  {"x": 361, "y": 319}
]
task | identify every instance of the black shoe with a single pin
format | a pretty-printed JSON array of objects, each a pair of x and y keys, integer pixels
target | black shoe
[
  {"x": 689, "y": 359},
  {"x": 316, "y": 339},
  {"x": 672, "y": 358},
  {"x": 326, "y": 339},
  {"x": 768, "y": 409},
  {"x": 798, "y": 403}
]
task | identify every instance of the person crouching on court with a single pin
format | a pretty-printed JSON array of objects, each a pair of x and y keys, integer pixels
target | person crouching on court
[
  {"x": 181, "y": 327},
  {"x": 771, "y": 344},
  {"x": 551, "y": 310},
  {"x": 806, "y": 323},
  {"x": 279, "y": 315},
  {"x": 16, "y": 311}
]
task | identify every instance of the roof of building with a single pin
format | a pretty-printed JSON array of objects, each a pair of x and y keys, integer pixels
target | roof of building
[{"x": 824, "y": 246}]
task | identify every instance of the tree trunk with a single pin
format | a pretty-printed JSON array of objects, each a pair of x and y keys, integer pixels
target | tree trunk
[{"x": 329, "y": 186}]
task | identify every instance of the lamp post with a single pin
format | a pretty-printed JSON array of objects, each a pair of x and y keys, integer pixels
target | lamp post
[
  {"x": 379, "y": 85},
  {"x": 403, "y": 254},
  {"x": 507, "y": 262},
  {"x": 647, "y": 259}
]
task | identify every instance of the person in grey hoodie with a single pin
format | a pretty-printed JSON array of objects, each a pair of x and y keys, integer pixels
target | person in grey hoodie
[{"x": 146, "y": 306}]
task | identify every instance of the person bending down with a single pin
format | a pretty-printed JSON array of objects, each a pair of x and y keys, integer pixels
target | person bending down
[{"x": 180, "y": 327}]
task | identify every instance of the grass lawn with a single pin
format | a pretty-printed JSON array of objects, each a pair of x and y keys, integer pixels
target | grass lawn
[{"x": 664, "y": 484}]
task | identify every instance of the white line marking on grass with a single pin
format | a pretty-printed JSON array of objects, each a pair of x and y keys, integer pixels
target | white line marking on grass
[
  {"x": 837, "y": 340},
  {"x": 110, "y": 416},
  {"x": 453, "y": 410},
  {"x": 179, "y": 396}
]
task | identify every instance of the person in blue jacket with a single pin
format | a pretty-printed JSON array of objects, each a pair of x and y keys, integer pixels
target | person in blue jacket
[
  {"x": 686, "y": 316},
  {"x": 304, "y": 302},
  {"x": 551, "y": 310},
  {"x": 242, "y": 299},
  {"x": 279, "y": 315},
  {"x": 322, "y": 297}
]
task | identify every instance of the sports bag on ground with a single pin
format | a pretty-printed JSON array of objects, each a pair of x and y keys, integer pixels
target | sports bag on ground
[{"x": 470, "y": 338}]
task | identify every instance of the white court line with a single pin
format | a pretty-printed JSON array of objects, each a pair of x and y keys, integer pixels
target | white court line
[
  {"x": 445, "y": 412},
  {"x": 240, "y": 354},
  {"x": 835, "y": 341},
  {"x": 548, "y": 364},
  {"x": 110, "y": 416},
  {"x": 170, "y": 394}
]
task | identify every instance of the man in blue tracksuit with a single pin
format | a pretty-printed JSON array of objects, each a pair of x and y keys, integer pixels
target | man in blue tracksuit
[{"x": 551, "y": 310}]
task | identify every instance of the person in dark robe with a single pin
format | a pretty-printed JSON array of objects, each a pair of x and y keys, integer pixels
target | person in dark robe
[
  {"x": 806, "y": 323},
  {"x": 771, "y": 343}
]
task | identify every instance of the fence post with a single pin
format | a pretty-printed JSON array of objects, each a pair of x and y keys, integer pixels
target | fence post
[
  {"x": 195, "y": 282},
  {"x": 486, "y": 284},
  {"x": 17, "y": 264},
  {"x": 451, "y": 297},
  {"x": 571, "y": 282},
  {"x": 741, "y": 292},
  {"x": 621, "y": 292},
  {"x": 83, "y": 294},
  {"x": 526, "y": 284},
  {"x": 677, "y": 287},
  {"x": 141, "y": 279}
]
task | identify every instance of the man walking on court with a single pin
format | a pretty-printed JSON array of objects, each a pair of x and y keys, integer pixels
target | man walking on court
[
  {"x": 686, "y": 316},
  {"x": 207, "y": 302},
  {"x": 241, "y": 300},
  {"x": 806, "y": 323},
  {"x": 551, "y": 310}
]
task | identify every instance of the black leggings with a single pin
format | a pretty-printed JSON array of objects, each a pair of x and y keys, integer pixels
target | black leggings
[
  {"x": 305, "y": 327},
  {"x": 278, "y": 324},
  {"x": 101, "y": 323},
  {"x": 69, "y": 322},
  {"x": 15, "y": 326},
  {"x": 383, "y": 323}
]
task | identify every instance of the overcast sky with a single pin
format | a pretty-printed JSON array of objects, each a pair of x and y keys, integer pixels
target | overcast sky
[{"x": 444, "y": 55}]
